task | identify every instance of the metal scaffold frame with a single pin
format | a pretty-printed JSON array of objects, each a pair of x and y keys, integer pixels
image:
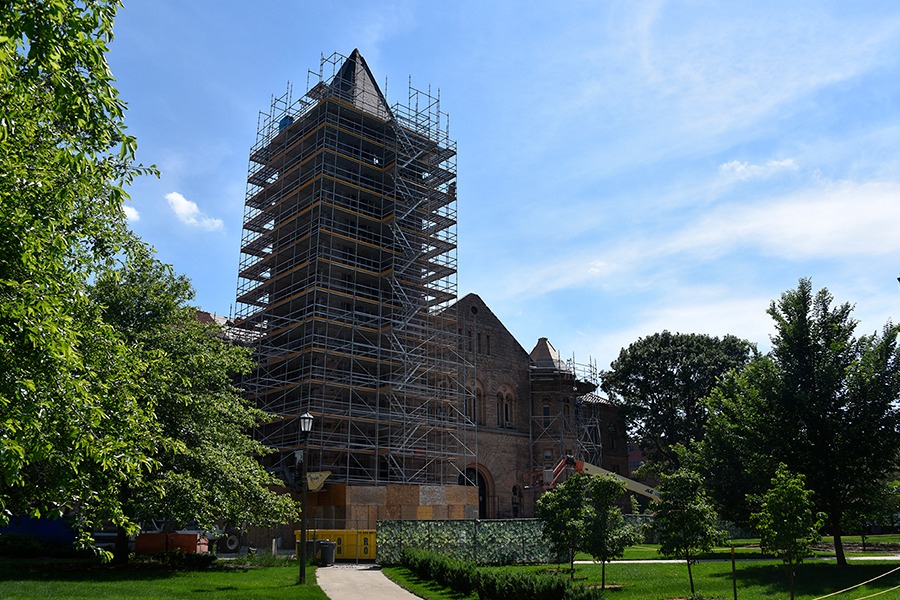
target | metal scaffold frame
[
  {"x": 348, "y": 260},
  {"x": 583, "y": 433}
]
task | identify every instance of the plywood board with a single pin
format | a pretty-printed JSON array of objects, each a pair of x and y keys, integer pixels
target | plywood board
[
  {"x": 456, "y": 494},
  {"x": 402, "y": 495},
  {"x": 432, "y": 495},
  {"x": 367, "y": 494}
]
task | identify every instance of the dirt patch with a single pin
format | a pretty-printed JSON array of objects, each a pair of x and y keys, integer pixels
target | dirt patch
[{"x": 857, "y": 547}]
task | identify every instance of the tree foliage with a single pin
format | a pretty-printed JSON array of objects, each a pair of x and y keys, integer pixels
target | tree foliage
[
  {"x": 787, "y": 522},
  {"x": 97, "y": 416},
  {"x": 605, "y": 533},
  {"x": 562, "y": 512},
  {"x": 580, "y": 514},
  {"x": 64, "y": 159},
  {"x": 822, "y": 402},
  {"x": 205, "y": 467},
  {"x": 660, "y": 381},
  {"x": 685, "y": 518}
]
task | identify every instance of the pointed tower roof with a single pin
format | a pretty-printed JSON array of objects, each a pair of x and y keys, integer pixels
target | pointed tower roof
[
  {"x": 354, "y": 84},
  {"x": 545, "y": 356}
]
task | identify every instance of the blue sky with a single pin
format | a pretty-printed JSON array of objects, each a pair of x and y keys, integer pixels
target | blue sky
[{"x": 624, "y": 167}]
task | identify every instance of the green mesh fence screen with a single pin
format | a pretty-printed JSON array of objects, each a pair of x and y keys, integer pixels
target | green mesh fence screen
[{"x": 503, "y": 542}]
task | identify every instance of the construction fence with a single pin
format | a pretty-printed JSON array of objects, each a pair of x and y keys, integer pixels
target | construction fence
[{"x": 503, "y": 542}]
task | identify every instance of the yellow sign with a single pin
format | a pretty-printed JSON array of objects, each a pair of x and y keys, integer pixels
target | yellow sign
[{"x": 315, "y": 481}]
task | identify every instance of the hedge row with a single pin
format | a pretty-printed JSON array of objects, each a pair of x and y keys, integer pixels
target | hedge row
[
  {"x": 456, "y": 574},
  {"x": 494, "y": 584}
]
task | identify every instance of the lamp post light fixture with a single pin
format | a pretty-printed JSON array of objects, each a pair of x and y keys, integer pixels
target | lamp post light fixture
[{"x": 306, "y": 423}]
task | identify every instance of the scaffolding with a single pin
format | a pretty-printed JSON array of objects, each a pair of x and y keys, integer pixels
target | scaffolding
[
  {"x": 566, "y": 415},
  {"x": 348, "y": 260}
]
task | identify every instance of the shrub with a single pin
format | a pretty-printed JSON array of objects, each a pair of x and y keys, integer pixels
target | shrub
[
  {"x": 496, "y": 584},
  {"x": 459, "y": 575},
  {"x": 507, "y": 584},
  {"x": 176, "y": 559}
]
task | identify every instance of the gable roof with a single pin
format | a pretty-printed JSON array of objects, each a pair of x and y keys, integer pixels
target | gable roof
[
  {"x": 354, "y": 84},
  {"x": 475, "y": 300}
]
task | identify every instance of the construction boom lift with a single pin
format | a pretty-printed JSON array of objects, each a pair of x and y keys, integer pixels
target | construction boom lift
[{"x": 539, "y": 478}]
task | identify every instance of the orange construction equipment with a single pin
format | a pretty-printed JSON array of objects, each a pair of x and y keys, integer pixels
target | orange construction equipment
[{"x": 547, "y": 479}]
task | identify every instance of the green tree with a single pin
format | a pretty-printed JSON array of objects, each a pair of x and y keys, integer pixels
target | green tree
[
  {"x": 562, "y": 511},
  {"x": 685, "y": 519},
  {"x": 605, "y": 534},
  {"x": 787, "y": 522},
  {"x": 660, "y": 380},
  {"x": 205, "y": 467},
  {"x": 64, "y": 159},
  {"x": 822, "y": 402},
  {"x": 879, "y": 509}
]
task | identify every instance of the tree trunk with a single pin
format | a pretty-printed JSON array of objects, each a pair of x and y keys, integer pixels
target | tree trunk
[
  {"x": 120, "y": 552},
  {"x": 838, "y": 543},
  {"x": 791, "y": 578},
  {"x": 603, "y": 576},
  {"x": 690, "y": 575}
]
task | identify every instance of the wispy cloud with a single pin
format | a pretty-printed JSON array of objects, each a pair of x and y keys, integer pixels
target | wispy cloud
[
  {"x": 834, "y": 220},
  {"x": 131, "y": 213},
  {"x": 742, "y": 170},
  {"x": 188, "y": 213}
]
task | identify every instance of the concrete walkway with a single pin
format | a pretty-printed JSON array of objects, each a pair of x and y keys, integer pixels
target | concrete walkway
[{"x": 359, "y": 582}]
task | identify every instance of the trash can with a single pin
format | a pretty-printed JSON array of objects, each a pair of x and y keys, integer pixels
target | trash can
[
  {"x": 312, "y": 550},
  {"x": 326, "y": 557}
]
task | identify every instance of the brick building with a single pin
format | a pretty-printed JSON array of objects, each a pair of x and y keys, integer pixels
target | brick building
[
  {"x": 347, "y": 291},
  {"x": 527, "y": 411}
]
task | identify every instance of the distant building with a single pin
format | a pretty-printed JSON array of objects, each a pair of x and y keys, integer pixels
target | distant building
[{"x": 636, "y": 458}]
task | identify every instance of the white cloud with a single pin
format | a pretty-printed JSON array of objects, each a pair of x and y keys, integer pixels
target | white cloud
[
  {"x": 842, "y": 221},
  {"x": 188, "y": 213},
  {"x": 692, "y": 309},
  {"x": 131, "y": 213},
  {"x": 744, "y": 171},
  {"x": 832, "y": 221}
]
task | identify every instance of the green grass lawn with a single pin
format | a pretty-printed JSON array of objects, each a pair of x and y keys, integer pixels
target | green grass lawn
[
  {"x": 756, "y": 581},
  {"x": 743, "y": 549},
  {"x": 20, "y": 579},
  {"x": 650, "y": 552}
]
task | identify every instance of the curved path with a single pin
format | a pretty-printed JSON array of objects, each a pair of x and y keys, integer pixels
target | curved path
[{"x": 359, "y": 582}]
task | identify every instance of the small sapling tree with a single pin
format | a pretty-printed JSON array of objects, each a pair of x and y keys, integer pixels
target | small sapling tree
[
  {"x": 685, "y": 519},
  {"x": 787, "y": 523},
  {"x": 563, "y": 513},
  {"x": 606, "y": 535}
]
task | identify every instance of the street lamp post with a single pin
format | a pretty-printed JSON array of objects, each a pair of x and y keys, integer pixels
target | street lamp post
[{"x": 306, "y": 422}]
